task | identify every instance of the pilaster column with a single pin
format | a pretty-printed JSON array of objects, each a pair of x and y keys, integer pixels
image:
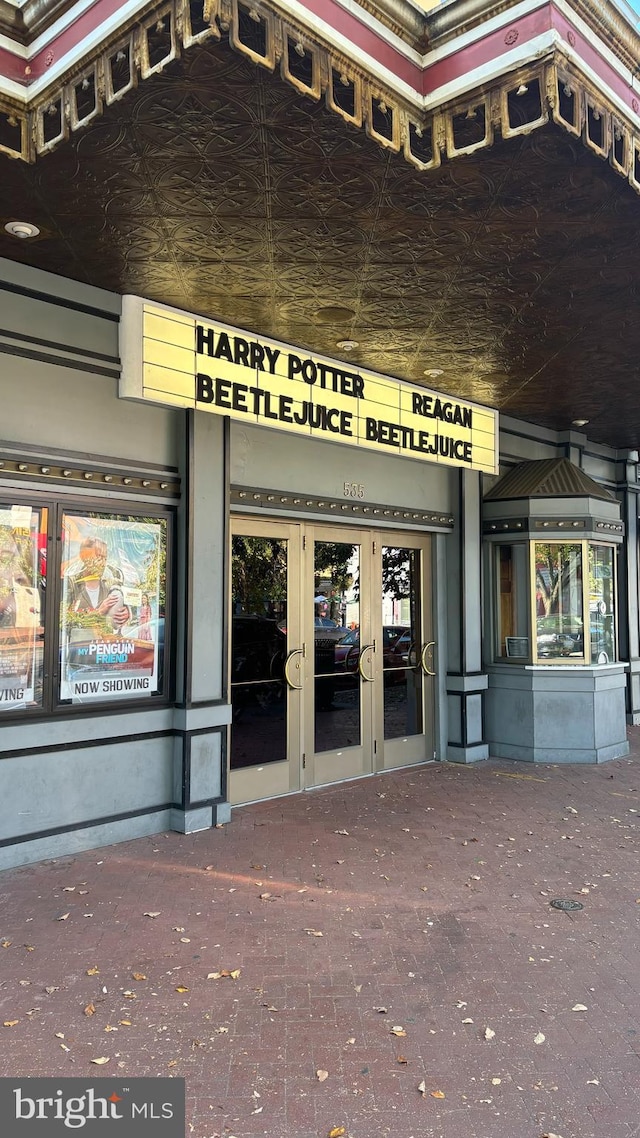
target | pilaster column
[
  {"x": 202, "y": 712},
  {"x": 466, "y": 681}
]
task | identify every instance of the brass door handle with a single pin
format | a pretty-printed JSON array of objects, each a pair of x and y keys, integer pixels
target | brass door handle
[
  {"x": 423, "y": 659},
  {"x": 290, "y": 683},
  {"x": 367, "y": 647}
]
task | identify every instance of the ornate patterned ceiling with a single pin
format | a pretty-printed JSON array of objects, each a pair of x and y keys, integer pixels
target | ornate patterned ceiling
[{"x": 218, "y": 188}]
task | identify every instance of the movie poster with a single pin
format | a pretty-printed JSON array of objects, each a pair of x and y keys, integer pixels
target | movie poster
[
  {"x": 112, "y": 607},
  {"x": 22, "y": 582}
]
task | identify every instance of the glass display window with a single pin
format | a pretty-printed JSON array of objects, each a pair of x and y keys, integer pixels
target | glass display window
[
  {"x": 82, "y": 619},
  {"x": 555, "y": 602}
]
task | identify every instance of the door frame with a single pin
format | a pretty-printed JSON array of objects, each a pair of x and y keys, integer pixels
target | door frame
[{"x": 303, "y": 768}]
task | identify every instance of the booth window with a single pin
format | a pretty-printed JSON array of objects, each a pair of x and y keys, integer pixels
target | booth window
[
  {"x": 100, "y": 638},
  {"x": 513, "y": 601},
  {"x": 559, "y": 600},
  {"x": 555, "y": 602}
]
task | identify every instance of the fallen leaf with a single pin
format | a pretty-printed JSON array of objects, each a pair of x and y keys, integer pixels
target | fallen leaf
[
  {"x": 322, "y": 1075},
  {"x": 401, "y": 1059},
  {"x": 579, "y": 1008},
  {"x": 138, "y": 976},
  {"x": 51, "y": 989},
  {"x": 5, "y": 944},
  {"x": 124, "y": 1022},
  {"x": 397, "y": 1031},
  {"x": 101, "y": 1061},
  {"x": 93, "y": 971},
  {"x": 68, "y": 888},
  {"x": 110, "y": 1028},
  {"x": 11, "y": 1022},
  {"x": 489, "y": 1033},
  {"x": 422, "y": 1088},
  {"x": 90, "y": 1010},
  {"x": 59, "y": 1034},
  {"x": 63, "y": 917},
  {"x": 312, "y": 932},
  {"x": 337, "y": 1132},
  {"x": 437, "y": 1094},
  {"x": 467, "y": 1021},
  {"x": 181, "y": 988},
  {"x": 151, "y": 914},
  {"x": 382, "y": 1010},
  {"x": 539, "y": 1038}
]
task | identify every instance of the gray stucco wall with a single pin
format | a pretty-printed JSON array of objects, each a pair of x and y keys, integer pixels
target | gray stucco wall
[{"x": 95, "y": 776}]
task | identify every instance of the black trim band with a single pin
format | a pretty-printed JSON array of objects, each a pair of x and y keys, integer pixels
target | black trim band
[
  {"x": 61, "y": 302},
  {"x": 20, "y": 839},
  {"x": 62, "y": 361},
  {"x": 56, "y": 344}
]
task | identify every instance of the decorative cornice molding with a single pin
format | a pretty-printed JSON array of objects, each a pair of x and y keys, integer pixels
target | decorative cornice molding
[
  {"x": 555, "y": 86},
  {"x": 375, "y": 513},
  {"x": 25, "y": 23}
]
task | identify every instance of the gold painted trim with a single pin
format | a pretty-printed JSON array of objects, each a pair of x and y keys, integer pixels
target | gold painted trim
[
  {"x": 30, "y": 469},
  {"x": 56, "y": 110}
]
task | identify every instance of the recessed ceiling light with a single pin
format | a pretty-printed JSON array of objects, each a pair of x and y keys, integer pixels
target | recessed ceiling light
[
  {"x": 348, "y": 345},
  {"x": 433, "y": 372},
  {"x": 22, "y": 229},
  {"x": 579, "y": 422}
]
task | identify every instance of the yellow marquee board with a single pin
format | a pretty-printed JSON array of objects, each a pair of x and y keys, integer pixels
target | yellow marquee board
[{"x": 180, "y": 360}]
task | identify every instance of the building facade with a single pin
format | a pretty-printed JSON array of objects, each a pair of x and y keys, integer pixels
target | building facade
[{"x": 243, "y": 552}]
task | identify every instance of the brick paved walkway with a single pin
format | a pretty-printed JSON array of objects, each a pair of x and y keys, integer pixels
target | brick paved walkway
[{"x": 430, "y": 889}]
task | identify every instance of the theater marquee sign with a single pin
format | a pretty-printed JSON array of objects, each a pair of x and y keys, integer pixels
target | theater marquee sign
[{"x": 179, "y": 360}]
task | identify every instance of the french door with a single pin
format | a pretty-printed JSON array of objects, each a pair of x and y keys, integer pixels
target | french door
[{"x": 331, "y": 655}]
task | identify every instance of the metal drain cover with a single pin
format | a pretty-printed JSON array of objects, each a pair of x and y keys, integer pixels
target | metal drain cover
[{"x": 566, "y": 905}]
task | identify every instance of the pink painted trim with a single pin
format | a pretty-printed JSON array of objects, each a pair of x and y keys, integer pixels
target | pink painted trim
[
  {"x": 591, "y": 56},
  {"x": 69, "y": 39},
  {"x": 368, "y": 40},
  {"x": 483, "y": 51},
  {"x": 12, "y": 66},
  {"x": 424, "y": 80}
]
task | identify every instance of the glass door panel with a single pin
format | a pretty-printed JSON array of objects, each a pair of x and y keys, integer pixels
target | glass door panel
[
  {"x": 405, "y": 717},
  {"x": 263, "y": 626},
  {"x": 401, "y": 639},
  {"x": 337, "y": 710},
  {"x": 338, "y": 740}
]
